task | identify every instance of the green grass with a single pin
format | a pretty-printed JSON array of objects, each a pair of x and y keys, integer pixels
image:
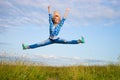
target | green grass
[{"x": 31, "y": 72}]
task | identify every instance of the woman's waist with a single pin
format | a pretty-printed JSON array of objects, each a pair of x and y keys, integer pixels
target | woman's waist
[{"x": 53, "y": 37}]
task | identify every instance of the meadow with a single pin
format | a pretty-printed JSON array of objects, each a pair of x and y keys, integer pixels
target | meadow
[{"x": 21, "y": 71}]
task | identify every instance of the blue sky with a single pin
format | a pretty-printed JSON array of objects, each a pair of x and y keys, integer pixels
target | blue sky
[{"x": 26, "y": 21}]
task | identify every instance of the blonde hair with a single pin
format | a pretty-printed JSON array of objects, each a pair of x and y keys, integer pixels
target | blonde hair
[{"x": 56, "y": 13}]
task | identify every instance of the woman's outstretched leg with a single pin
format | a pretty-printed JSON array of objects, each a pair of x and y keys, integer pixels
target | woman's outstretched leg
[
  {"x": 63, "y": 41},
  {"x": 40, "y": 44}
]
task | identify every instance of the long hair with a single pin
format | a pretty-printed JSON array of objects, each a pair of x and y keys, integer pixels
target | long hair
[{"x": 56, "y": 14}]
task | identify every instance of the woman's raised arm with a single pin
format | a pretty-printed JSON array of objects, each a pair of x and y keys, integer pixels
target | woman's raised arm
[
  {"x": 49, "y": 9},
  {"x": 66, "y": 12}
]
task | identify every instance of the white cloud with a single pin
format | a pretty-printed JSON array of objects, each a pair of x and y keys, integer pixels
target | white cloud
[
  {"x": 17, "y": 12},
  {"x": 52, "y": 59}
]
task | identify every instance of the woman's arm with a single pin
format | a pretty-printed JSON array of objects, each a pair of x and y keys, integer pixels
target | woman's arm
[
  {"x": 49, "y": 10},
  {"x": 50, "y": 18},
  {"x": 66, "y": 12}
]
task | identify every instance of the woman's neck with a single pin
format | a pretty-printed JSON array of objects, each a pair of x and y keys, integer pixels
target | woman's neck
[{"x": 55, "y": 24}]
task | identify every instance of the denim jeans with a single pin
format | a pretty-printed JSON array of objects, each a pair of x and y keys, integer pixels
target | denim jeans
[{"x": 52, "y": 41}]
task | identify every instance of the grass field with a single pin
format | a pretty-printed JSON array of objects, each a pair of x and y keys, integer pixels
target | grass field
[{"x": 31, "y": 72}]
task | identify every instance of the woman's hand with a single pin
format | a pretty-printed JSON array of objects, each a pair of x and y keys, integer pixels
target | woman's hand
[
  {"x": 49, "y": 9},
  {"x": 68, "y": 9},
  {"x": 66, "y": 12}
]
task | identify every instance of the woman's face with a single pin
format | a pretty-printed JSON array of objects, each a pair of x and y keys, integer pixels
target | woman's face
[{"x": 56, "y": 19}]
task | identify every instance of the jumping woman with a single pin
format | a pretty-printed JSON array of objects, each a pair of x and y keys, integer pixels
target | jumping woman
[{"x": 55, "y": 24}]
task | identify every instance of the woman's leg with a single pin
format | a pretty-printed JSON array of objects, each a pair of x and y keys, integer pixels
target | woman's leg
[
  {"x": 63, "y": 41},
  {"x": 40, "y": 44}
]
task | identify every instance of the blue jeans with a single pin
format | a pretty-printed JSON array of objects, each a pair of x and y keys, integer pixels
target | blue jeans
[{"x": 51, "y": 41}]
